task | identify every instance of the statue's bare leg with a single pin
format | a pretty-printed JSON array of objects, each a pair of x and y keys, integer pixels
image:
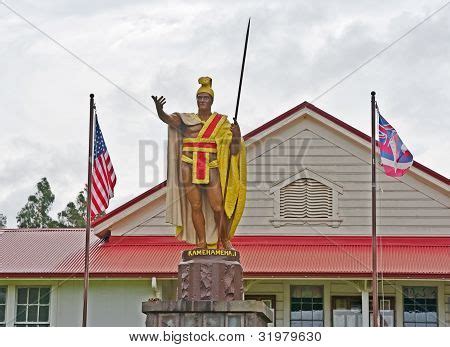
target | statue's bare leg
[
  {"x": 194, "y": 197},
  {"x": 214, "y": 194}
]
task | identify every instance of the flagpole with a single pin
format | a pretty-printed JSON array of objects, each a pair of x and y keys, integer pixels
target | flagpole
[
  {"x": 374, "y": 223},
  {"x": 88, "y": 210}
]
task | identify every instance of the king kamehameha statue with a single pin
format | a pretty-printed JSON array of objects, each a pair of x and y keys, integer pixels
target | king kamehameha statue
[
  {"x": 205, "y": 199},
  {"x": 206, "y": 172}
]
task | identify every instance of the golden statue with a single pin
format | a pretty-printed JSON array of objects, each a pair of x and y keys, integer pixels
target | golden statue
[{"x": 206, "y": 175}]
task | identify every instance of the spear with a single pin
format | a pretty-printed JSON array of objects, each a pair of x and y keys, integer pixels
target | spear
[
  {"x": 242, "y": 73},
  {"x": 234, "y": 120}
]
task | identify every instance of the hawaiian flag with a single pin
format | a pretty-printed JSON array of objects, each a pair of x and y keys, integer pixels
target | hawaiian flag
[{"x": 395, "y": 157}]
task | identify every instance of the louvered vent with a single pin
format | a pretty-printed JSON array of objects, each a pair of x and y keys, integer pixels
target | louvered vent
[{"x": 306, "y": 198}]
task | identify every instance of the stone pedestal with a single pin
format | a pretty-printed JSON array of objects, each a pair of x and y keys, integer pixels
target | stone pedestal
[
  {"x": 210, "y": 293},
  {"x": 210, "y": 274},
  {"x": 181, "y": 313}
]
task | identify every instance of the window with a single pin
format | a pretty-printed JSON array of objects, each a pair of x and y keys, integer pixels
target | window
[
  {"x": 386, "y": 309},
  {"x": 306, "y": 198},
  {"x": 269, "y": 300},
  {"x": 33, "y": 307},
  {"x": 347, "y": 311},
  {"x": 306, "y": 306},
  {"x": 2, "y": 306},
  {"x": 420, "y": 307}
]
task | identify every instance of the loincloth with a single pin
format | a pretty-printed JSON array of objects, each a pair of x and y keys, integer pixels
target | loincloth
[{"x": 201, "y": 148}]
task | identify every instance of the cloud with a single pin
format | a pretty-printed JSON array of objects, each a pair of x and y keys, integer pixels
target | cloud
[{"x": 297, "y": 50}]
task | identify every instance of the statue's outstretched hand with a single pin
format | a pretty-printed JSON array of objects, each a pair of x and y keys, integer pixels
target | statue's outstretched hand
[
  {"x": 172, "y": 120},
  {"x": 159, "y": 102}
]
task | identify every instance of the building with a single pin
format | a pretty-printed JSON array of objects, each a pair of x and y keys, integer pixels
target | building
[{"x": 304, "y": 241}]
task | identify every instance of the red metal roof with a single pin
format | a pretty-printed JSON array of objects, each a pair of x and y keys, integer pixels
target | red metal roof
[
  {"x": 262, "y": 128},
  {"x": 40, "y": 251},
  {"x": 60, "y": 253}
]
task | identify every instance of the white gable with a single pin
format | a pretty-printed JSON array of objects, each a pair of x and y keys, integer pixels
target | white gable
[{"x": 308, "y": 145}]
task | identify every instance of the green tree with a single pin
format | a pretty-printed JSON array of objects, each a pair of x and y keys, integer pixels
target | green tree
[
  {"x": 2, "y": 220},
  {"x": 35, "y": 212},
  {"x": 74, "y": 215}
]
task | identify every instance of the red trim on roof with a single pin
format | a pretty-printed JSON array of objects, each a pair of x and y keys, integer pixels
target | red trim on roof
[
  {"x": 342, "y": 124},
  {"x": 430, "y": 172},
  {"x": 264, "y": 127},
  {"x": 129, "y": 203},
  {"x": 247, "y": 275},
  {"x": 66, "y": 276},
  {"x": 272, "y": 240},
  {"x": 303, "y": 105}
]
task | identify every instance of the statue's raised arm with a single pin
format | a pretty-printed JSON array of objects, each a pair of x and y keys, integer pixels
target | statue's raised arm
[{"x": 172, "y": 120}]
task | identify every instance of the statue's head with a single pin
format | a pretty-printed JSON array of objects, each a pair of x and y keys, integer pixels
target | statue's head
[{"x": 205, "y": 94}]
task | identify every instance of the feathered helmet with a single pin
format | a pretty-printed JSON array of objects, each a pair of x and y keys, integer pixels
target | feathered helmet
[{"x": 206, "y": 83}]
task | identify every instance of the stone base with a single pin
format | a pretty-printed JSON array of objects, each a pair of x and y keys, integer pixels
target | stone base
[
  {"x": 181, "y": 313},
  {"x": 211, "y": 275},
  {"x": 210, "y": 293}
]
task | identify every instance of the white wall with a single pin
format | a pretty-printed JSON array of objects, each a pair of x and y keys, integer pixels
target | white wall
[
  {"x": 111, "y": 302},
  {"x": 117, "y": 302}
]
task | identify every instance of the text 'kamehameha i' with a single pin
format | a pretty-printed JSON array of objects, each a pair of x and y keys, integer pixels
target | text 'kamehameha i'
[{"x": 212, "y": 252}]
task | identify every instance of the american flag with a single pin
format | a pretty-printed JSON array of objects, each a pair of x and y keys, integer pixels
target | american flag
[
  {"x": 395, "y": 157},
  {"x": 103, "y": 175}
]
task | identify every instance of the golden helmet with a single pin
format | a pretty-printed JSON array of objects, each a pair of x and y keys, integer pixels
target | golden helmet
[{"x": 206, "y": 83}]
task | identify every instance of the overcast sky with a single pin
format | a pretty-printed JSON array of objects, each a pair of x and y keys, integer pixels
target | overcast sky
[{"x": 297, "y": 50}]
